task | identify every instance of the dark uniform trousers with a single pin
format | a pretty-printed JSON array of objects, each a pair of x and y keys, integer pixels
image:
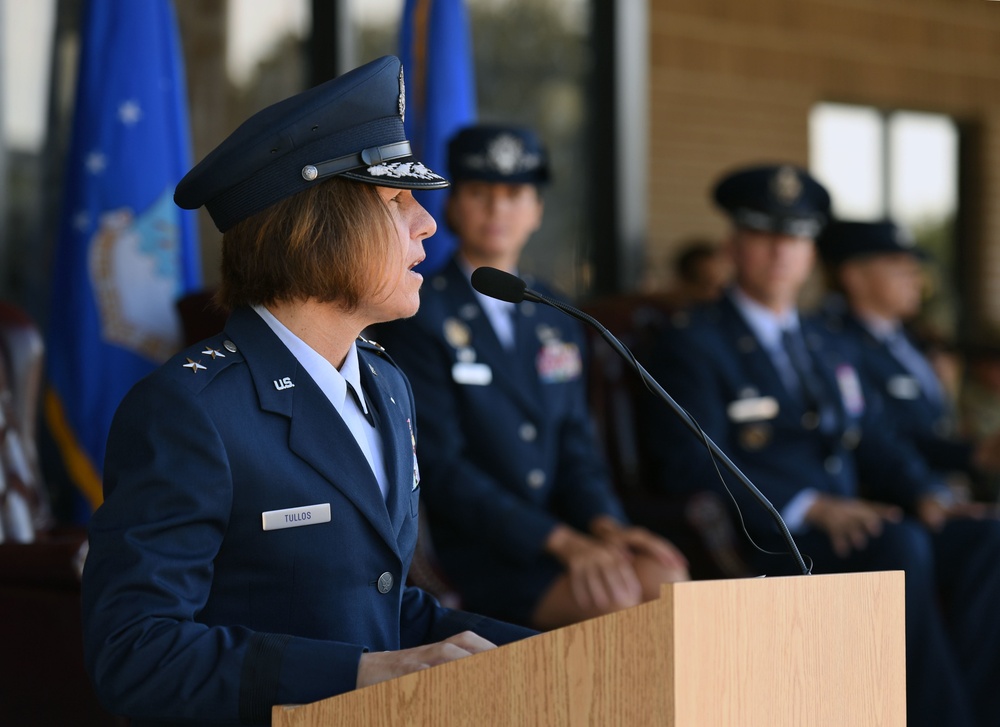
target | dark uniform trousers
[
  {"x": 713, "y": 365},
  {"x": 507, "y": 448},
  {"x": 191, "y": 609}
]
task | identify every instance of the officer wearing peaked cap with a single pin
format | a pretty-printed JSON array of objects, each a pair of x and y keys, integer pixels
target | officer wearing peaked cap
[
  {"x": 261, "y": 488},
  {"x": 876, "y": 268},
  {"x": 520, "y": 504},
  {"x": 782, "y": 395}
]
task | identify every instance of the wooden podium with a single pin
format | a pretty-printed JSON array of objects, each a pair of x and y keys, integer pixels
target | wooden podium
[{"x": 775, "y": 652}]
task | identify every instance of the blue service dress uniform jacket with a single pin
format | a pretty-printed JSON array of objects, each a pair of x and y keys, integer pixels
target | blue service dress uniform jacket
[
  {"x": 710, "y": 361},
  {"x": 507, "y": 448},
  {"x": 925, "y": 420},
  {"x": 191, "y": 609}
]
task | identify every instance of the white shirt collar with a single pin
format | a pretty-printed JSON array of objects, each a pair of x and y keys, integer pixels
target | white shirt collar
[
  {"x": 332, "y": 382},
  {"x": 766, "y": 325},
  {"x": 881, "y": 328}
]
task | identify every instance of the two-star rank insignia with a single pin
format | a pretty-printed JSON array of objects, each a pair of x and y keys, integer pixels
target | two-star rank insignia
[{"x": 195, "y": 366}]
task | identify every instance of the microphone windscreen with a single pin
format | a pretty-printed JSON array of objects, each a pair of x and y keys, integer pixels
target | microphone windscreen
[{"x": 498, "y": 284}]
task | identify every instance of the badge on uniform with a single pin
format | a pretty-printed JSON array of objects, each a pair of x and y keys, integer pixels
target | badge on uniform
[
  {"x": 416, "y": 468},
  {"x": 469, "y": 373},
  {"x": 753, "y": 409},
  {"x": 558, "y": 362},
  {"x": 903, "y": 387},
  {"x": 753, "y": 437},
  {"x": 456, "y": 333},
  {"x": 850, "y": 390}
]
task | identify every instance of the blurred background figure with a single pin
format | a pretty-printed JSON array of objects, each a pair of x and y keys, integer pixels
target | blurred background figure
[
  {"x": 520, "y": 504},
  {"x": 877, "y": 268},
  {"x": 979, "y": 409},
  {"x": 781, "y": 393},
  {"x": 702, "y": 270}
]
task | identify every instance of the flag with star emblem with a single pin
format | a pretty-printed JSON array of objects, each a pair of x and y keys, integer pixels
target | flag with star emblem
[
  {"x": 435, "y": 48},
  {"x": 125, "y": 251}
]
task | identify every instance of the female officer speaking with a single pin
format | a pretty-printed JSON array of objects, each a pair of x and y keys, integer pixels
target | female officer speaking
[{"x": 261, "y": 488}]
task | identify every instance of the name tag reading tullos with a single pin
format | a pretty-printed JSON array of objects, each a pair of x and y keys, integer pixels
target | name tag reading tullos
[{"x": 295, "y": 517}]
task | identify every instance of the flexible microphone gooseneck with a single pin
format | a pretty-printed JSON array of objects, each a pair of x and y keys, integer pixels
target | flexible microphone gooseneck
[{"x": 510, "y": 288}]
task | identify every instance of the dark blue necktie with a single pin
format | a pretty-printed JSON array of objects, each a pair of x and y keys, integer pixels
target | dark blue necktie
[
  {"x": 812, "y": 391},
  {"x": 357, "y": 396}
]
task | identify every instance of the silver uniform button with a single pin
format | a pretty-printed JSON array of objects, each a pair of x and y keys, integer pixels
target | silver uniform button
[
  {"x": 527, "y": 432},
  {"x": 385, "y": 582},
  {"x": 536, "y": 478},
  {"x": 833, "y": 464},
  {"x": 229, "y": 346}
]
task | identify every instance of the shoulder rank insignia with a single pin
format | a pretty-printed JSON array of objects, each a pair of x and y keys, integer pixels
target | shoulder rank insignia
[
  {"x": 195, "y": 366},
  {"x": 371, "y": 343}
]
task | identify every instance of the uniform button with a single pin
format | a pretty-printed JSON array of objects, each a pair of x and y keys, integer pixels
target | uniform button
[
  {"x": 810, "y": 420},
  {"x": 229, "y": 346},
  {"x": 385, "y": 582},
  {"x": 833, "y": 464},
  {"x": 527, "y": 432},
  {"x": 536, "y": 478}
]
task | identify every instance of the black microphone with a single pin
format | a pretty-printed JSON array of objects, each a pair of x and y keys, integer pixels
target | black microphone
[
  {"x": 504, "y": 286},
  {"x": 500, "y": 285}
]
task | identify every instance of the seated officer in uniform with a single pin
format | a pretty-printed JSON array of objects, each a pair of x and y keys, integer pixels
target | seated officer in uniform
[
  {"x": 261, "y": 488},
  {"x": 781, "y": 395},
  {"x": 876, "y": 267},
  {"x": 520, "y": 504}
]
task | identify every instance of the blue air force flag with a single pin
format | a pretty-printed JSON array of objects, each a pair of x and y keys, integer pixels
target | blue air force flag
[
  {"x": 436, "y": 50},
  {"x": 125, "y": 252}
]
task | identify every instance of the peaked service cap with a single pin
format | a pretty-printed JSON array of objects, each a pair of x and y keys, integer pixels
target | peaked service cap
[
  {"x": 350, "y": 126},
  {"x": 843, "y": 240},
  {"x": 498, "y": 153},
  {"x": 778, "y": 198}
]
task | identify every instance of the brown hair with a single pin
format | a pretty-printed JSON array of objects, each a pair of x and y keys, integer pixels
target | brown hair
[{"x": 330, "y": 242}]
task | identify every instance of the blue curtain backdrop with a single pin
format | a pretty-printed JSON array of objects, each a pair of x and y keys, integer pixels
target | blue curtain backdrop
[
  {"x": 435, "y": 47},
  {"x": 125, "y": 252}
]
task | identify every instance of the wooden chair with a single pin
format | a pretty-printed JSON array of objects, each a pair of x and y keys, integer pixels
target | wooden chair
[{"x": 700, "y": 524}]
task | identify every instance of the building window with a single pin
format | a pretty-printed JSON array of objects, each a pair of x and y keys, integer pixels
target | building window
[{"x": 901, "y": 165}]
